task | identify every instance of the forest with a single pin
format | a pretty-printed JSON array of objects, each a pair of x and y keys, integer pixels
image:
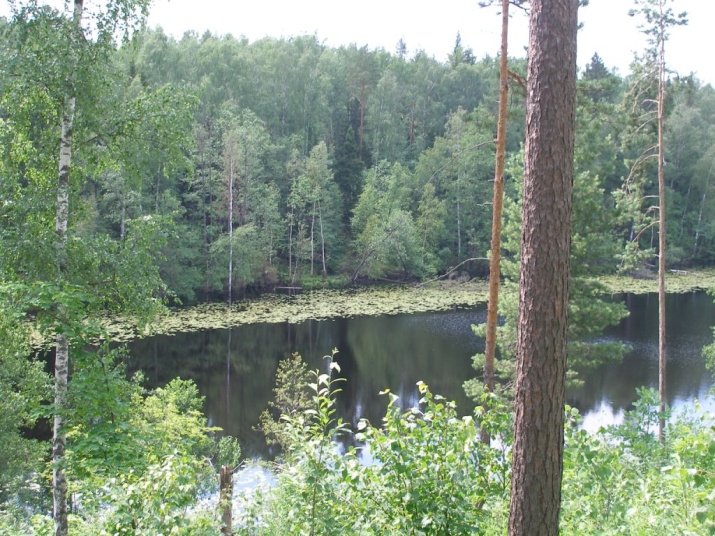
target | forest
[
  {"x": 350, "y": 164},
  {"x": 139, "y": 171}
]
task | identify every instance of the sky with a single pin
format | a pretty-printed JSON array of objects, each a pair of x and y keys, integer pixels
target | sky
[{"x": 433, "y": 26}]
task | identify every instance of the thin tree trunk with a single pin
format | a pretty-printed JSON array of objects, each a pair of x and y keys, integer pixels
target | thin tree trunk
[
  {"x": 158, "y": 186},
  {"x": 312, "y": 241},
  {"x": 290, "y": 246},
  {"x": 459, "y": 226},
  {"x": 494, "y": 261},
  {"x": 225, "y": 496},
  {"x": 123, "y": 216},
  {"x": 230, "y": 233},
  {"x": 59, "y": 439},
  {"x": 537, "y": 453},
  {"x": 322, "y": 238},
  {"x": 661, "y": 236},
  {"x": 204, "y": 213},
  {"x": 62, "y": 353},
  {"x": 702, "y": 205}
]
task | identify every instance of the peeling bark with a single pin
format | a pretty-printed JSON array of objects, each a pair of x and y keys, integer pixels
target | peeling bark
[{"x": 497, "y": 202}]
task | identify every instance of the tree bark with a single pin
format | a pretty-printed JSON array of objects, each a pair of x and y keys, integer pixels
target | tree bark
[
  {"x": 544, "y": 278},
  {"x": 497, "y": 201},
  {"x": 225, "y": 496}
]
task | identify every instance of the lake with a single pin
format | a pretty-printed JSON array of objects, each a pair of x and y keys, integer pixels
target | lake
[{"x": 235, "y": 368}]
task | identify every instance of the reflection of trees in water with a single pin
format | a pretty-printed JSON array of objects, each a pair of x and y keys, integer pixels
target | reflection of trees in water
[
  {"x": 237, "y": 380},
  {"x": 689, "y": 319},
  {"x": 394, "y": 352}
]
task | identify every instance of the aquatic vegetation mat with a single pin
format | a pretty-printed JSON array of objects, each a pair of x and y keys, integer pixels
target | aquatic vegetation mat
[
  {"x": 676, "y": 282},
  {"x": 313, "y": 305}
]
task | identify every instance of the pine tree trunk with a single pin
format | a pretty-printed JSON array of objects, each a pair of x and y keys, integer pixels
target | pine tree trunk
[
  {"x": 544, "y": 280},
  {"x": 495, "y": 258}
]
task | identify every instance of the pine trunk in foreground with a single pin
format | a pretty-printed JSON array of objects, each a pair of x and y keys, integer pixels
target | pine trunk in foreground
[
  {"x": 497, "y": 201},
  {"x": 544, "y": 279}
]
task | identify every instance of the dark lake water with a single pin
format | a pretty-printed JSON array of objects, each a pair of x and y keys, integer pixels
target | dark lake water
[{"x": 235, "y": 368}]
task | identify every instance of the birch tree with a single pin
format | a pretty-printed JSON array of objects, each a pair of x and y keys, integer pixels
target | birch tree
[{"x": 65, "y": 57}]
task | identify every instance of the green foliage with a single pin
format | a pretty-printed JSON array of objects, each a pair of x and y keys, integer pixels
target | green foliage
[
  {"x": 160, "y": 500},
  {"x": 114, "y": 427},
  {"x": 424, "y": 471},
  {"x": 593, "y": 252},
  {"x": 621, "y": 480},
  {"x": 429, "y": 473},
  {"x": 157, "y": 122},
  {"x": 290, "y": 396},
  {"x": 24, "y": 386}
]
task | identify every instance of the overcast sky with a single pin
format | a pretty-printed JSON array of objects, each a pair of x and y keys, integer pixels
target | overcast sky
[{"x": 433, "y": 26}]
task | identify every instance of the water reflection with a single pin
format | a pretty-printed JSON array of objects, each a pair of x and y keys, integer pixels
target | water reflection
[
  {"x": 235, "y": 368},
  {"x": 610, "y": 390}
]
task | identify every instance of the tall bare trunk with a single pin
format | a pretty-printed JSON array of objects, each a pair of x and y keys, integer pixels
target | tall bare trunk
[
  {"x": 230, "y": 233},
  {"x": 312, "y": 241},
  {"x": 290, "y": 246},
  {"x": 661, "y": 236},
  {"x": 123, "y": 215},
  {"x": 537, "y": 453},
  {"x": 459, "y": 227},
  {"x": 322, "y": 238},
  {"x": 62, "y": 353},
  {"x": 495, "y": 259},
  {"x": 702, "y": 206}
]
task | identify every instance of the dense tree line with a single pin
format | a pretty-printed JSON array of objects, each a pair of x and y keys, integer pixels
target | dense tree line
[
  {"x": 138, "y": 169},
  {"x": 362, "y": 163},
  {"x": 297, "y": 160}
]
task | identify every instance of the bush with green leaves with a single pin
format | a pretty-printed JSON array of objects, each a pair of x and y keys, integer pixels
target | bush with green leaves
[
  {"x": 424, "y": 471},
  {"x": 115, "y": 426},
  {"x": 622, "y": 480},
  {"x": 138, "y": 463}
]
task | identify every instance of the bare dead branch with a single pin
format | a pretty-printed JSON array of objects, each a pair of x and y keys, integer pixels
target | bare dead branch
[{"x": 446, "y": 274}]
